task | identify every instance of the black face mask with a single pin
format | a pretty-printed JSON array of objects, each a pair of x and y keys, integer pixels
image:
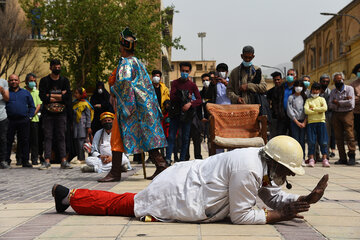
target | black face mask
[
  {"x": 107, "y": 126},
  {"x": 56, "y": 71},
  {"x": 339, "y": 85},
  {"x": 324, "y": 86}
]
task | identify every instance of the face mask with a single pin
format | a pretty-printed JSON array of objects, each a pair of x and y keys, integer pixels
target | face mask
[
  {"x": 247, "y": 64},
  {"x": 222, "y": 74},
  {"x": 32, "y": 85},
  {"x": 313, "y": 95},
  {"x": 107, "y": 126},
  {"x": 324, "y": 86},
  {"x": 184, "y": 75},
  {"x": 156, "y": 79},
  {"x": 298, "y": 89},
  {"x": 56, "y": 71},
  {"x": 289, "y": 78},
  {"x": 206, "y": 83},
  {"x": 339, "y": 85},
  {"x": 306, "y": 84},
  {"x": 358, "y": 74},
  {"x": 100, "y": 91}
]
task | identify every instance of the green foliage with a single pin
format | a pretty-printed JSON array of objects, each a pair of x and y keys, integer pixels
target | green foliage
[{"x": 84, "y": 34}]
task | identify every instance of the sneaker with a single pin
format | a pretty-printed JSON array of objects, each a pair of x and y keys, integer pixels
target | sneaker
[
  {"x": 60, "y": 192},
  {"x": 45, "y": 166},
  {"x": 303, "y": 163},
  {"x": 87, "y": 168},
  {"x": 325, "y": 163},
  {"x": 311, "y": 163},
  {"x": 75, "y": 161},
  {"x": 27, "y": 165},
  {"x": 65, "y": 165},
  {"x": 332, "y": 154},
  {"x": 4, "y": 165},
  {"x": 34, "y": 162}
]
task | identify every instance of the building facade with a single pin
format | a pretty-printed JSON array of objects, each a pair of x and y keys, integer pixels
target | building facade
[{"x": 333, "y": 47}]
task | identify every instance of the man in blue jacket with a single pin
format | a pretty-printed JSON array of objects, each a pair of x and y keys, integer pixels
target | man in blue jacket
[{"x": 20, "y": 109}]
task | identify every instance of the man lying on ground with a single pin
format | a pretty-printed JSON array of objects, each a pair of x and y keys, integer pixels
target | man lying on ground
[{"x": 209, "y": 190}]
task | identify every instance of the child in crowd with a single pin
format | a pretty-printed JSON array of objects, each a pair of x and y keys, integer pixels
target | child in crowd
[
  {"x": 315, "y": 108},
  {"x": 295, "y": 111},
  {"x": 83, "y": 115}
]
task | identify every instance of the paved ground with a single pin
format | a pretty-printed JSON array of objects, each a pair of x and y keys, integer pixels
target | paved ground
[{"x": 27, "y": 209}]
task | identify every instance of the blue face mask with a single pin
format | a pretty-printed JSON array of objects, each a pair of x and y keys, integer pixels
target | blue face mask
[
  {"x": 32, "y": 85},
  {"x": 358, "y": 74},
  {"x": 289, "y": 78},
  {"x": 184, "y": 75},
  {"x": 247, "y": 64},
  {"x": 306, "y": 84}
]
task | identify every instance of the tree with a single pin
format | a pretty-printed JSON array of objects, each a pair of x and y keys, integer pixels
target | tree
[
  {"x": 84, "y": 34},
  {"x": 17, "y": 53}
]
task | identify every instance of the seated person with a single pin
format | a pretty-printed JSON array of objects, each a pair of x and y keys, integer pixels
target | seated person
[{"x": 101, "y": 158}]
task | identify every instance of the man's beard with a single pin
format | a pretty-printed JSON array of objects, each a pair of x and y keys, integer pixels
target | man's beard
[{"x": 278, "y": 180}]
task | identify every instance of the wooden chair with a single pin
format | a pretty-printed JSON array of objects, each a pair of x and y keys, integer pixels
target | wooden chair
[{"x": 236, "y": 126}]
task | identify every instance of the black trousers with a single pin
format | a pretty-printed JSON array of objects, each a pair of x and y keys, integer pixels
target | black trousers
[
  {"x": 20, "y": 127},
  {"x": 3, "y": 139},
  {"x": 54, "y": 125},
  {"x": 34, "y": 141},
  {"x": 195, "y": 135}
]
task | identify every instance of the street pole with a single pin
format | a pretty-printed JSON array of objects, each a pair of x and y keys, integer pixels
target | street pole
[
  {"x": 341, "y": 14},
  {"x": 284, "y": 73},
  {"x": 202, "y": 35}
]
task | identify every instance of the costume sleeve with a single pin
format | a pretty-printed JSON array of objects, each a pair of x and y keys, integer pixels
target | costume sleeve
[
  {"x": 95, "y": 144},
  {"x": 88, "y": 117},
  {"x": 243, "y": 187},
  {"x": 123, "y": 90},
  {"x": 275, "y": 198},
  {"x": 230, "y": 88},
  {"x": 322, "y": 107}
]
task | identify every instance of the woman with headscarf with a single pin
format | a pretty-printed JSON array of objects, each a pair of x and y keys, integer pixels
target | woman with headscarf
[{"x": 100, "y": 100}]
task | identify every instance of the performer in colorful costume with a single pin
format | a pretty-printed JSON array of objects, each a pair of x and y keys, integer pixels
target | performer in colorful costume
[{"x": 137, "y": 111}]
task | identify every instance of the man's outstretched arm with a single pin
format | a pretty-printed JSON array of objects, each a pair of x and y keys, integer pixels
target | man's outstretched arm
[{"x": 292, "y": 210}]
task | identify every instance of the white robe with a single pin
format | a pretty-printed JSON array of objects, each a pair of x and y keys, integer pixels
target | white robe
[
  {"x": 209, "y": 190},
  {"x": 103, "y": 148}
]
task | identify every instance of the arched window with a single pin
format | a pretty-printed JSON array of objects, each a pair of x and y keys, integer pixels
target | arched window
[{"x": 331, "y": 52}]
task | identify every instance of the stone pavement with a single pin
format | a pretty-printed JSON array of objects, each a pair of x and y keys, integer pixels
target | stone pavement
[{"x": 27, "y": 209}]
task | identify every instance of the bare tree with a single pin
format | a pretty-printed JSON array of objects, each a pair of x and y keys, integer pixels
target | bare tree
[{"x": 17, "y": 53}]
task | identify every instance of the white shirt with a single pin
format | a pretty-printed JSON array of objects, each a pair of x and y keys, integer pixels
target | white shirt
[
  {"x": 209, "y": 190},
  {"x": 103, "y": 148}
]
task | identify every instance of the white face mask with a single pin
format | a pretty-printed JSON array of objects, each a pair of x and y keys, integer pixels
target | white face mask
[
  {"x": 206, "y": 83},
  {"x": 298, "y": 89},
  {"x": 100, "y": 91},
  {"x": 156, "y": 79},
  {"x": 222, "y": 74},
  {"x": 314, "y": 95}
]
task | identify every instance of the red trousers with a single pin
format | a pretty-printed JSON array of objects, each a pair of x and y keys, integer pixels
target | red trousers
[{"x": 95, "y": 202}]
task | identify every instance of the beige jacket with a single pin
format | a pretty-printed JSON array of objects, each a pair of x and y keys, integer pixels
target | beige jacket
[{"x": 233, "y": 87}]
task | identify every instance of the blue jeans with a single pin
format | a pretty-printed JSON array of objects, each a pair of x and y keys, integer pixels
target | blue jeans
[
  {"x": 317, "y": 131},
  {"x": 175, "y": 124},
  {"x": 298, "y": 134}
]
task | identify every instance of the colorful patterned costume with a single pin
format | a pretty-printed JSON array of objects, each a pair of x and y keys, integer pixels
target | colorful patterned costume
[{"x": 138, "y": 111}]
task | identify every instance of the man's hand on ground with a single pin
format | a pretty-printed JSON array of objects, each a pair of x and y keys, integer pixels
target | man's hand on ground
[
  {"x": 288, "y": 212},
  {"x": 317, "y": 192}
]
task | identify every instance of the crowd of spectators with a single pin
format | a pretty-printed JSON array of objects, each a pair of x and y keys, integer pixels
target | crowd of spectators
[{"x": 54, "y": 124}]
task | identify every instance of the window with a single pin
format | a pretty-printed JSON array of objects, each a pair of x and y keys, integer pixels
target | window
[
  {"x": 172, "y": 67},
  {"x": 320, "y": 57},
  {"x": 313, "y": 58},
  {"x": 199, "y": 67},
  {"x": 331, "y": 52},
  {"x": 2, "y": 5}
]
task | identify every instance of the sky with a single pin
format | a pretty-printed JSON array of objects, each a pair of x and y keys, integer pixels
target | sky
[{"x": 275, "y": 28}]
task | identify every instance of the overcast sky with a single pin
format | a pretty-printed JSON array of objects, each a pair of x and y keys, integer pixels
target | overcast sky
[{"x": 275, "y": 28}]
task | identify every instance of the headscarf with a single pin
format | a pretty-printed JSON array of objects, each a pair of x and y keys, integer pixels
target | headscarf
[
  {"x": 80, "y": 105},
  {"x": 100, "y": 98}
]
